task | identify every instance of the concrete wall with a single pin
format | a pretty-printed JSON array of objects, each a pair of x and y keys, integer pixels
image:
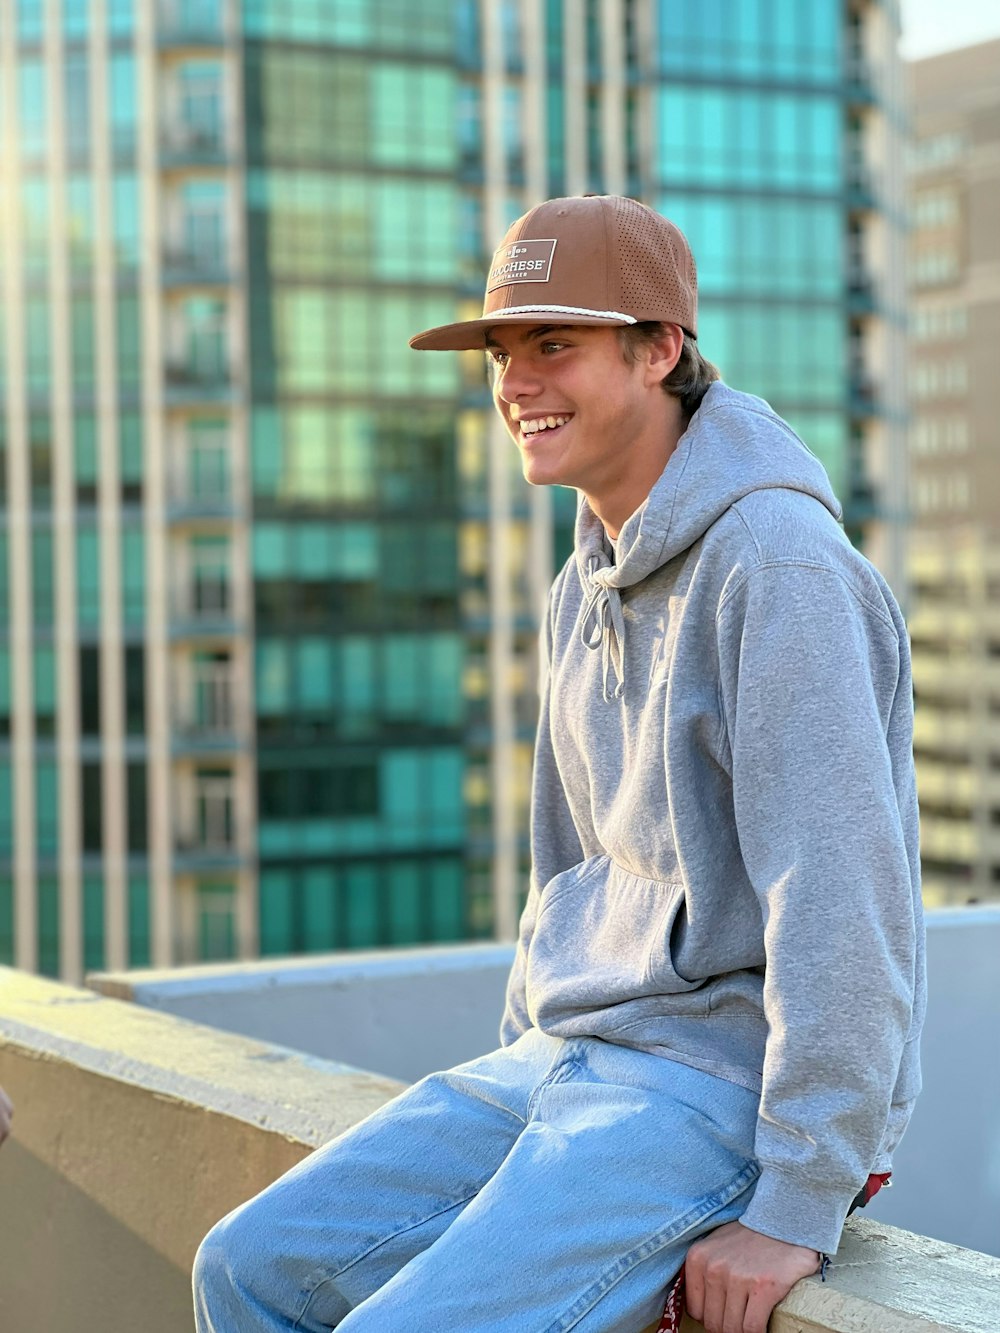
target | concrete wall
[{"x": 410, "y": 1011}]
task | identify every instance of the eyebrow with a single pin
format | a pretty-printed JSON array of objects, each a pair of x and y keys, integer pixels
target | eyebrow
[{"x": 542, "y": 331}]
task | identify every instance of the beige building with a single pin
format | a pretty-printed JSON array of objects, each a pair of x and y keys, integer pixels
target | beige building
[{"x": 954, "y": 180}]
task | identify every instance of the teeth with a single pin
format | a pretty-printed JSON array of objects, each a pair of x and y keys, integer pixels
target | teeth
[{"x": 533, "y": 426}]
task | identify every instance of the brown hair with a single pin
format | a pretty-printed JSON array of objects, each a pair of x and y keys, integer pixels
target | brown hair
[{"x": 689, "y": 380}]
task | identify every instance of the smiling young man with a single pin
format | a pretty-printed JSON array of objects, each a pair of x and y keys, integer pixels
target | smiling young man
[{"x": 710, "y": 1038}]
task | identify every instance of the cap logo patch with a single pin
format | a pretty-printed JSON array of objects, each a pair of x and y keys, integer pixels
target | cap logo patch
[{"x": 524, "y": 261}]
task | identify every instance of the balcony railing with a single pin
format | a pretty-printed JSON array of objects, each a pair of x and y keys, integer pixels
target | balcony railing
[
  {"x": 209, "y": 710},
  {"x": 195, "y": 267},
  {"x": 193, "y": 145}
]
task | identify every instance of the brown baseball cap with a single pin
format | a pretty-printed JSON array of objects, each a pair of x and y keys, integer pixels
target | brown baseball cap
[{"x": 592, "y": 259}]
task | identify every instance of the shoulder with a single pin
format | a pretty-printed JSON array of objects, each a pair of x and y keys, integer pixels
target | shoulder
[{"x": 777, "y": 534}]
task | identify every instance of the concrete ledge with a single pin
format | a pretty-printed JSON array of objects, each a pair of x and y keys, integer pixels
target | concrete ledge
[{"x": 133, "y": 1133}]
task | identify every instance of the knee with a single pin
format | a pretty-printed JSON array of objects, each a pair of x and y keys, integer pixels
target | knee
[{"x": 224, "y": 1269}]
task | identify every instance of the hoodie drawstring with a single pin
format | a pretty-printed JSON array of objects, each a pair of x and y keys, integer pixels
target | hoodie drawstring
[{"x": 604, "y": 627}]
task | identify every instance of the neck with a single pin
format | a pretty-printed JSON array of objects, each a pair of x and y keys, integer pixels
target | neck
[{"x": 625, "y": 493}]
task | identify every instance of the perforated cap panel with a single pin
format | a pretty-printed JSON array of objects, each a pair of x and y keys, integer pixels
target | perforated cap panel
[{"x": 655, "y": 265}]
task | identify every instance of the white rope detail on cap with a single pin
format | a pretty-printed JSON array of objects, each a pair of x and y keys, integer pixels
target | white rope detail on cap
[{"x": 562, "y": 310}]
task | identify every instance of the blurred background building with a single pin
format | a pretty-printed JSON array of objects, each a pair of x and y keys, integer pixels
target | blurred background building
[
  {"x": 954, "y": 553},
  {"x": 271, "y": 581}
]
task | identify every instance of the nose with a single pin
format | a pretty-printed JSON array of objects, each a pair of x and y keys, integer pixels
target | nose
[{"x": 516, "y": 380}]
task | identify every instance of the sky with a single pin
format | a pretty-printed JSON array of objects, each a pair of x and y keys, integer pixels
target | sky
[{"x": 932, "y": 26}]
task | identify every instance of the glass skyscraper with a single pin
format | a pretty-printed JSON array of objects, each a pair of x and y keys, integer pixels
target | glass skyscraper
[{"x": 270, "y": 581}]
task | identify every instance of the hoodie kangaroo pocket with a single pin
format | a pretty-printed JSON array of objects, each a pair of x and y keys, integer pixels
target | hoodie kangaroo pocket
[{"x": 601, "y": 939}]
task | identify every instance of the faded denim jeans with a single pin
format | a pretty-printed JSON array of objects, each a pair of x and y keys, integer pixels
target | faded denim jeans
[{"x": 553, "y": 1185}]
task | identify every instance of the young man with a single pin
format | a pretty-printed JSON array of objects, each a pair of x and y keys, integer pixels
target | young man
[{"x": 712, "y": 1020}]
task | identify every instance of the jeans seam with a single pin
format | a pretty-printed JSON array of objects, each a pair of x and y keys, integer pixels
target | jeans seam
[
  {"x": 699, "y": 1211},
  {"x": 562, "y": 1067},
  {"x": 401, "y": 1231}
]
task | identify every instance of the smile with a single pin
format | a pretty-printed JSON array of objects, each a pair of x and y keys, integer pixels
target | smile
[{"x": 536, "y": 424}]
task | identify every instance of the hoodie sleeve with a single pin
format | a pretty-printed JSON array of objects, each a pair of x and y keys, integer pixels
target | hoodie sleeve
[
  {"x": 560, "y": 847},
  {"x": 818, "y": 725}
]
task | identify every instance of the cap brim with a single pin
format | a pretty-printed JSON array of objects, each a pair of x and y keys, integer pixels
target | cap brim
[{"x": 470, "y": 334}]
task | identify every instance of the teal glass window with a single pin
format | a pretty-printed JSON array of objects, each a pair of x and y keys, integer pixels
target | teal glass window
[
  {"x": 131, "y": 463},
  {"x": 88, "y": 575},
  {"x": 82, "y": 338},
  {"x": 91, "y": 807},
  {"x": 4, "y": 582},
  {"x": 273, "y": 676},
  {"x": 135, "y": 690},
  {"x": 48, "y": 925},
  {"x": 6, "y": 921},
  {"x": 122, "y": 100},
  {"x": 362, "y": 915},
  {"x": 75, "y": 14},
  {"x": 46, "y": 806},
  {"x": 766, "y": 39},
  {"x": 792, "y": 355},
  {"x": 129, "y": 334},
  {"x": 35, "y": 226},
  {"x": 125, "y": 198},
  {"x": 133, "y": 575},
  {"x": 139, "y": 953},
  {"x": 319, "y": 908},
  {"x": 30, "y": 20},
  {"x": 4, "y": 692},
  {"x": 768, "y": 247},
  {"x": 41, "y": 576},
  {"x": 730, "y": 137},
  {"x": 120, "y": 17},
  {"x": 77, "y": 82},
  {"x": 216, "y": 922},
  {"x": 93, "y": 923},
  {"x": 277, "y": 925},
  {"x": 38, "y": 345},
  {"x": 340, "y": 342},
  {"x": 6, "y": 809},
  {"x": 80, "y": 224},
  {"x": 138, "y": 808},
  {"x": 85, "y": 456},
  {"x": 45, "y": 689},
  {"x": 32, "y": 109}
]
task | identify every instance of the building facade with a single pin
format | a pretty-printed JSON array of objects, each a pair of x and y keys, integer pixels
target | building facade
[
  {"x": 954, "y": 551},
  {"x": 272, "y": 581}
]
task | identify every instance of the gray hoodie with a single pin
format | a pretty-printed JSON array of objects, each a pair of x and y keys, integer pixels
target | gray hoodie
[{"x": 724, "y": 815}]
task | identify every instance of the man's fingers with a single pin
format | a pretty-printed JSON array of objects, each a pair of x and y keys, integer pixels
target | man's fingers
[
  {"x": 762, "y": 1300},
  {"x": 694, "y": 1286},
  {"x": 716, "y": 1305},
  {"x": 736, "y": 1304}
]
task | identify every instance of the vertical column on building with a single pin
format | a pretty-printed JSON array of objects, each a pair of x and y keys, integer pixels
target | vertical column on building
[
  {"x": 534, "y": 105},
  {"x": 158, "y": 703},
  {"x": 501, "y": 627},
  {"x": 65, "y": 633},
  {"x": 575, "y": 95},
  {"x": 613, "y": 91},
  {"x": 245, "y": 763},
  {"x": 893, "y": 100},
  {"x": 645, "y": 47},
  {"x": 21, "y": 635},
  {"x": 114, "y": 788}
]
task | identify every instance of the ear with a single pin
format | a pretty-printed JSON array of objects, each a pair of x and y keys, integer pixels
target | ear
[{"x": 662, "y": 354}]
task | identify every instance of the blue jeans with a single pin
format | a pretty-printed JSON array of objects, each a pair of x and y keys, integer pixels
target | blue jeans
[{"x": 553, "y": 1185}]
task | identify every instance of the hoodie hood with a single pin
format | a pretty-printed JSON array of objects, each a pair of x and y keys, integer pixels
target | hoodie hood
[{"x": 734, "y": 445}]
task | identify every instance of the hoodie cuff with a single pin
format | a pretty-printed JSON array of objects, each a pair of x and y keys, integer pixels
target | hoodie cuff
[{"x": 787, "y": 1208}]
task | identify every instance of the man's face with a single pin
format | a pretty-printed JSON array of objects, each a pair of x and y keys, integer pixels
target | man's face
[{"x": 575, "y": 408}]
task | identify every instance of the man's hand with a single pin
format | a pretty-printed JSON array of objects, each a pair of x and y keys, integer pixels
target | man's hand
[
  {"x": 734, "y": 1277},
  {"x": 6, "y": 1114}
]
